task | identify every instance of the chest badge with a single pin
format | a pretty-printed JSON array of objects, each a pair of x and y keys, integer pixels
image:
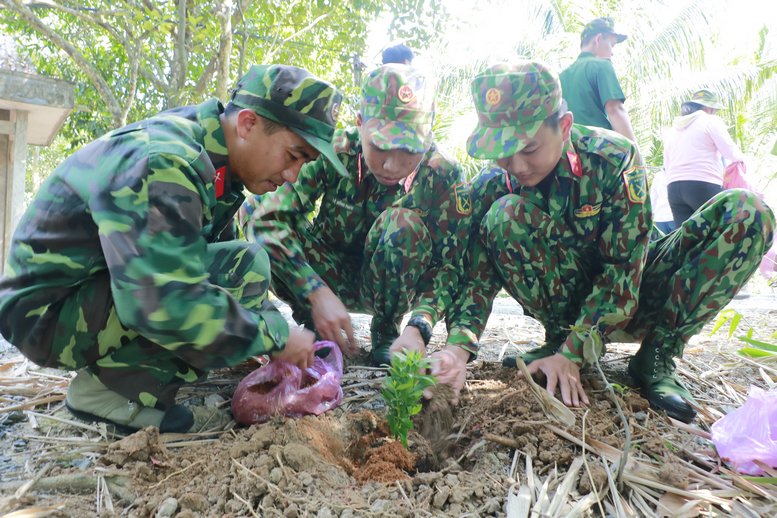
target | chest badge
[{"x": 588, "y": 211}]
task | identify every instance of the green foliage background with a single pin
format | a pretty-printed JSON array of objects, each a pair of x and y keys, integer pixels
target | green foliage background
[{"x": 133, "y": 58}]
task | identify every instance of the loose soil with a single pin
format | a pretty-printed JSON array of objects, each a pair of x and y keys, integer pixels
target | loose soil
[{"x": 462, "y": 460}]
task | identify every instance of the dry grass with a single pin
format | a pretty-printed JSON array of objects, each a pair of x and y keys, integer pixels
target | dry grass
[{"x": 717, "y": 376}]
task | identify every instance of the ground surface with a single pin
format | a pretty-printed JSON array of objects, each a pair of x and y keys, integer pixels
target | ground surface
[{"x": 503, "y": 450}]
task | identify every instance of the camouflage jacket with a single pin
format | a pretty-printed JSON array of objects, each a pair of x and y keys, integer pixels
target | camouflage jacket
[
  {"x": 349, "y": 207},
  {"x": 142, "y": 202},
  {"x": 599, "y": 207}
]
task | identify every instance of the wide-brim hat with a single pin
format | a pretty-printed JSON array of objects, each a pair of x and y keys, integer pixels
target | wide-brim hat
[
  {"x": 391, "y": 134},
  {"x": 512, "y": 102},
  {"x": 296, "y": 99},
  {"x": 706, "y": 98},
  {"x": 397, "y": 108}
]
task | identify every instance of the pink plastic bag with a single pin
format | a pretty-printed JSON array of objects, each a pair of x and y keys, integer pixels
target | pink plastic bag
[
  {"x": 734, "y": 178},
  {"x": 768, "y": 266},
  {"x": 749, "y": 433},
  {"x": 280, "y": 388}
]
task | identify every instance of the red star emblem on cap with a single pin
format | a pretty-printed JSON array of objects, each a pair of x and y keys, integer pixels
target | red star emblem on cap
[{"x": 405, "y": 94}]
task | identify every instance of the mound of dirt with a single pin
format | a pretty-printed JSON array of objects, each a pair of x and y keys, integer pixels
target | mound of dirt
[
  {"x": 345, "y": 464},
  {"x": 142, "y": 446}
]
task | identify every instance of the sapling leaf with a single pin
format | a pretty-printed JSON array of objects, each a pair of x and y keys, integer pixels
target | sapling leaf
[
  {"x": 593, "y": 345},
  {"x": 620, "y": 389},
  {"x": 611, "y": 319},
  {"x": 402, "y": 390}
]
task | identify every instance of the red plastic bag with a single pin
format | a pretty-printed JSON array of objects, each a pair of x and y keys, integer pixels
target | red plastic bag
[
  {"x": 749, "y": 433},
  {"x": 280, "y": 388}
]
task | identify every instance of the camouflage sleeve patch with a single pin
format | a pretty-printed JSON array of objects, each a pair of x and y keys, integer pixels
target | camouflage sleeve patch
[{"x": 635, "y": 181}]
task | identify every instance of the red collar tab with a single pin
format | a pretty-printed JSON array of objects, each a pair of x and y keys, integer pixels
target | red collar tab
[
  {"x": 574, "y": 162},
  {"x": 218, "y": 181},
  {"x": 409, "y": 180}
]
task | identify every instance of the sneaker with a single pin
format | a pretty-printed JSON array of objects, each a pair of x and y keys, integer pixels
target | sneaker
[
  {"x": 653, "y": 369},
  {"x": 90, "y": 400}
]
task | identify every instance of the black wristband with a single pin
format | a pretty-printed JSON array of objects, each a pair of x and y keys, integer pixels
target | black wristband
[{"x": 423, "y": 327}]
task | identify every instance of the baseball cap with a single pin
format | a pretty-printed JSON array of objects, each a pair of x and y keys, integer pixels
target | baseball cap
[
  {"x": 604, "y": 25},
  {"x": 512, "y": 100},
  {"x": 397, "y": 108},
  {"x": 295, "y": 98},
  {"x": 706, "y": 98},
  {"x": 397, "y": 54}
]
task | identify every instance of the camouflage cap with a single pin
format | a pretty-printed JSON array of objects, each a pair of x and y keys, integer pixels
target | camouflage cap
[
  {"x": 295, "y": 98},
  {"x": 397, "y": 108},
  {"x": 512, "y": 101},
  {"x": 706, "y": 98},
  {"x": 604, "y": 25}
]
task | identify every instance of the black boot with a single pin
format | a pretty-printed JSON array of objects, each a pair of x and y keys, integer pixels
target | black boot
[
  {"x": 383, "y": 335},
  {"x": 654, "y": 371}
]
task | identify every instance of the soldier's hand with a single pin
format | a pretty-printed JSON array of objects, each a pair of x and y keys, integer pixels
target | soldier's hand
[
  {"x": 332, "y": 320},
  {"x": 299, "y": 348},
  {"x": 562, "y": 374},
  {"x": 449, "y": 366},
  {"x": 409, "y": 340}
]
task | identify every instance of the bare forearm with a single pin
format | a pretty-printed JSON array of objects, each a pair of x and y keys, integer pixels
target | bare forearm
[{"x": 619, "y": 119}]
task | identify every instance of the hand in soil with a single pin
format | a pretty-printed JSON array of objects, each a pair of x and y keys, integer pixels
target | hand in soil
[
  {"x": 332, "y": 320},
  {"x": 449, "y": 367},
  {"x": 409, "y": 340},
  {"x": 299, "y": 348},
  {"x": 563, "y": 374}
]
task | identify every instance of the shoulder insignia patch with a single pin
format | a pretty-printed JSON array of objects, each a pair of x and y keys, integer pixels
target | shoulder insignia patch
[
  {"x": 463, "y": 194},
  {"x": 588, "y": 211},
  {"x": 636, "y": 184}
]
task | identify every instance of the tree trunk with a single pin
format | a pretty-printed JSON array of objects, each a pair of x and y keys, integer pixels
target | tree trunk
[{"x": 225, "y": 50}]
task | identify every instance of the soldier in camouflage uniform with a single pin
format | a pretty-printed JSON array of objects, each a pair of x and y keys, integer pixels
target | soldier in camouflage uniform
[
  {"x": 564, "y": 227},
  {"x": 385, "y": 240},
  {"x": 124, "y": 266}
]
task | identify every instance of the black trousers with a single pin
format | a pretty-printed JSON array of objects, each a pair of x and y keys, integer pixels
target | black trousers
[{"x": 686, "y": 196}]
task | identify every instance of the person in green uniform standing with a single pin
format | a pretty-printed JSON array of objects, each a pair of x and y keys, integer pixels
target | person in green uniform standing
[
  {"x": 125, "y": 267},
  {"x": 591, "y": 88},
  {"x": 384, "y": 240},
  {"x": 564, "y": 223}
]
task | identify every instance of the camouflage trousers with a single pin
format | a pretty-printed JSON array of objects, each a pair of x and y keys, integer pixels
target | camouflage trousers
[
  {"x": 690, "y": 274},
  {"x": 83, "y": 330},
  {"x": 379, "y": 280}
]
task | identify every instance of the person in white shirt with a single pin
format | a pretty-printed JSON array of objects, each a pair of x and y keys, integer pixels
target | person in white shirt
[{"x": 663, "y": 218}]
